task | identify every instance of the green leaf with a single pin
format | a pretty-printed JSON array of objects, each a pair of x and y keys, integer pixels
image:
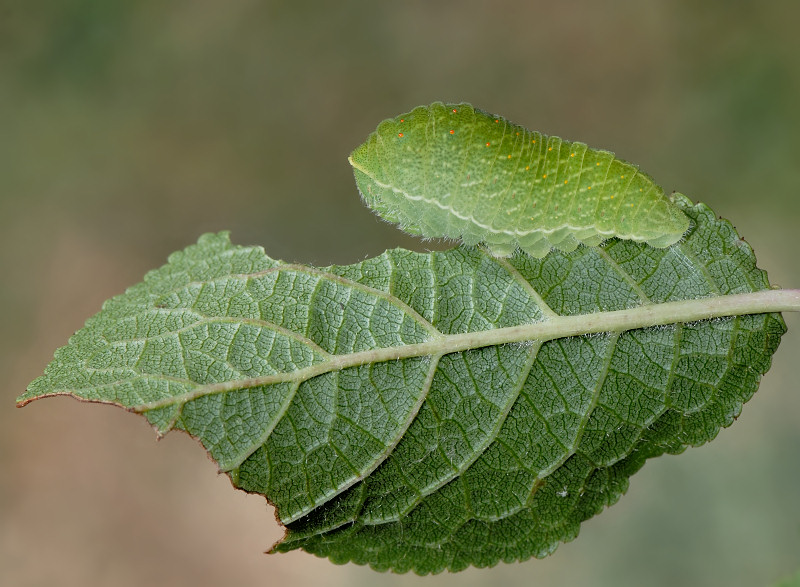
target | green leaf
[{"x": 434, "y": 411}]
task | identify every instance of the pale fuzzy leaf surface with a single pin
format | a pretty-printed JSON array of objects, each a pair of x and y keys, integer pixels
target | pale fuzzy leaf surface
[{"x": 289, "y": 376}]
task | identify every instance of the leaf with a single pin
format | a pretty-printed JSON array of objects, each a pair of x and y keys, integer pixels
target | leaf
[{"x": 434, "y": 411}]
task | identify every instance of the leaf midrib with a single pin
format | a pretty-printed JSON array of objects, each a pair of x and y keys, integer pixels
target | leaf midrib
[{"x": 644, "y": 316}]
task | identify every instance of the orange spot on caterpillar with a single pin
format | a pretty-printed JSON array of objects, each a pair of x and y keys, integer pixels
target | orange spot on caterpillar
[
  {"x": 590, "y": 187},
  {"x": 565, "y": 181},
  {"x": 572, "y": 154},
  {"x": 612, "y": 196},
  {"x": 402, "y": 120},
  {"x": 400, "y": 135},
  {"x": 452, "y": 132},
  {"x": 544, "y": 176},
  {"x": 527, "y": 167},
  {"x": 455, "y": 110},
  {"x": 496, "y": 120},
  {"x": 488, "y": 144},
  {"x": 598, "y": 163},
  {"x": 549, "y": 148},
  {"x": 509, "y": 156}
]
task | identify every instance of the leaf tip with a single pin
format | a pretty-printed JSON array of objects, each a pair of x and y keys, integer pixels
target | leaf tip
[{"x": 32, "y": 392}]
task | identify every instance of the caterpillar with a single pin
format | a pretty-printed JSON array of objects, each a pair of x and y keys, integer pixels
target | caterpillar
[{"x": 454, "y": 171}]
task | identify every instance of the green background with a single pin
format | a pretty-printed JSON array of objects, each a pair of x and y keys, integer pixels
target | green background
[{"x": 127, "y": 129}]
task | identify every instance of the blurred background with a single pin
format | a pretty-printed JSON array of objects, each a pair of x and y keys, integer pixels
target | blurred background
[{"x": 127, "y": 129}]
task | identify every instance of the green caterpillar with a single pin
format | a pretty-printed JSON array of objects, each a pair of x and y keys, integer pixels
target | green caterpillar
[{"x": 450, "y": 170}]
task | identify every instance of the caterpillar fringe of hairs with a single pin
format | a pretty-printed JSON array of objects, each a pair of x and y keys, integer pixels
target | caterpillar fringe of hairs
[{"x": 453, "y": 171}]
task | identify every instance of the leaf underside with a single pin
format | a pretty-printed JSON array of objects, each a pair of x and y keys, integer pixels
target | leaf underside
[{"x": 443, "y": 460}]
